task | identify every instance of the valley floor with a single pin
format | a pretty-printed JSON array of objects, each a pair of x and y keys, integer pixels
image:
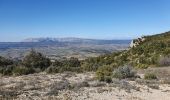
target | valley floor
[{"x": 83, "y": 86}]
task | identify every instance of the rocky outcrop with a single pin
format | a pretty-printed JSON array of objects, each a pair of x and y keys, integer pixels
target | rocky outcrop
[{"x": 136, "y": 42}]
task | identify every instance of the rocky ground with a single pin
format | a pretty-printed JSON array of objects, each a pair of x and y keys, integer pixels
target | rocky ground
[{"x": 83, "y": 86}]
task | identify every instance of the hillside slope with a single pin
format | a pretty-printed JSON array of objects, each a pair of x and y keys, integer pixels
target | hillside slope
[{"x": 148, "y": 51}]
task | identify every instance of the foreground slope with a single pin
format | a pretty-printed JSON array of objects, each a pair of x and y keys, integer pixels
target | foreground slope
[{"x": 71, "y": 86}]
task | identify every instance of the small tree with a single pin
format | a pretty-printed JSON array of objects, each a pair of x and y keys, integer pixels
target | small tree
[
  {"x": 123, "y": 72},
  {"x": 104, "y": 73},
  {"x": 7, "y": 70},
  {"x": 73, "y": 62},
  {"x": 21, "y": 70},
  {"x": 36, "y": 60},
  {"x": 5, "y": 62}
]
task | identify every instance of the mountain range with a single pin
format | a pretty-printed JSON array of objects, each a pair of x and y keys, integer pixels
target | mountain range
[{"x": 75, "y": 40}]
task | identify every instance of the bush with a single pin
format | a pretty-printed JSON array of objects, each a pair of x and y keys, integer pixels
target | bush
[
  {"x": 21, "y": 70},
  {"x": 36, "y": 60},
  {"x": 142, "y": 66},
  {"x": 164, "y": 61},
  {"x": 57, "y": 63},
  {"x": 7, "y": 70},
  {"x": 150, "y": 76},
  {"x": 104, "y": 73},
  {"x": 123, "y": 72},
  {"x": 89, "y": 66},
  {"x": 5, "y": 62},
  {"x": 108, "y": 79},
  {"x": 72, "y": 64}
]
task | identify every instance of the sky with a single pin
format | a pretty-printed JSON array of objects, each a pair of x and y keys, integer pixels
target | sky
[{"x": 95, "y": 19}]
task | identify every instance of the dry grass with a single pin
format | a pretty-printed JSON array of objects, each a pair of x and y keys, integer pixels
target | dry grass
[{"x": 71, "y": 86}]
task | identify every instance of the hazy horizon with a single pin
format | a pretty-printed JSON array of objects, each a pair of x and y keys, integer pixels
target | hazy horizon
[
  {"x": 25, "y": 39},
  {"x": 91, "y": 19}
]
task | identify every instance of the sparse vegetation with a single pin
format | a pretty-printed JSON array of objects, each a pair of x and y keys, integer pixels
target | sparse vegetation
[
  {"x": 72, "y": 64},
  {"x": 164, "y": 61},
  {"x": 36, "y": 60},
  {"x": 104, "y": 73},
  {"x": 153, "y": 86},
  {"x": 153, "y": 51},
  {"x": 7, "y": 70},
  {"x": 148, "y": 53},
  {"x": 150, "y": 76},
  {"x": 124, "y": 72},
  {"x": 33, "y": 62},
  {"x": 52, "y": 69},
  {"x": 21, "y": 70}
]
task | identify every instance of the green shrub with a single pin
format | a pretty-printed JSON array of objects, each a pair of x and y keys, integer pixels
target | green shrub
[
  {"x": 89, "y": 66},
  {"x": 21, "y": 70},
  {"x": 5, "y": 62},
  {"x": 123, "y": 72},
  {"x": 36, "y": 60},
  {"x": 150, "y": 76},
  {"x": 57, "y": 63},
  {"x": 142, "y": 66},
  {"x": 72, "y": 64},
  {"x": 167, "y": 50},
  {"x": 7, "y": 70},
  {"x": 108, "y": 79},
  {"x": 104, "y": 73}
]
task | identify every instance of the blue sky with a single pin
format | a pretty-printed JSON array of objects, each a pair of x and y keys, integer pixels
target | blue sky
[{"x": 99, "y": 19}]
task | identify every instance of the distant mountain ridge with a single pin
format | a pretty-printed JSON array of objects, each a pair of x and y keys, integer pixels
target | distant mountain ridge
[
  {"x": 76, "y": 40},
  {"x": 59, "y": 42},
  {"x": 47, "y": 39}
]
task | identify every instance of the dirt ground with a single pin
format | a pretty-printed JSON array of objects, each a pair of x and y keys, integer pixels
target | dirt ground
[{"x": 84, "y": 86}]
